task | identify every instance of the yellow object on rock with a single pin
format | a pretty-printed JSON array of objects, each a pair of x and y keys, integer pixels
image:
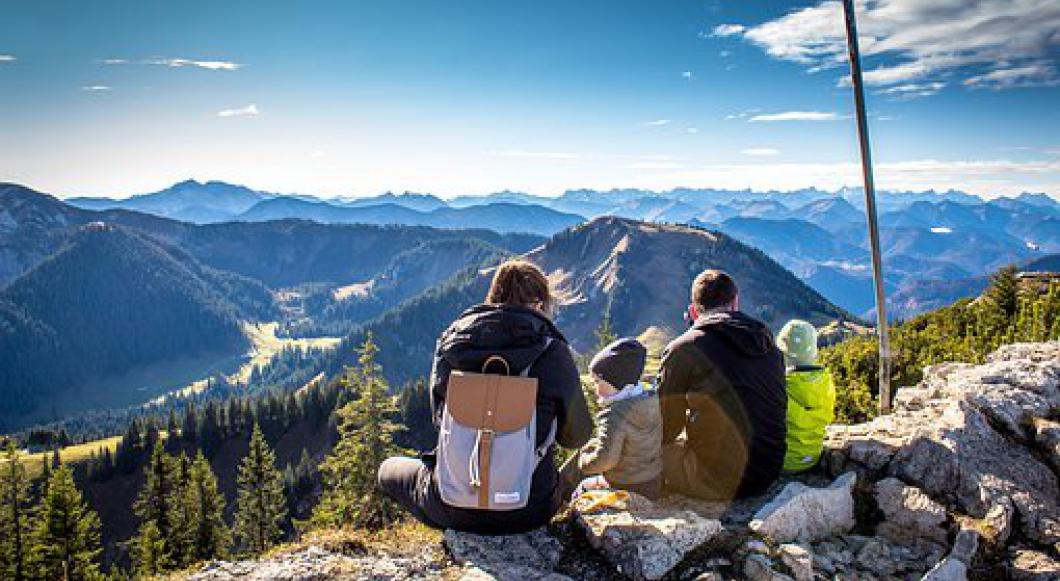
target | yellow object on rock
[{"x": 595, "y": 500}]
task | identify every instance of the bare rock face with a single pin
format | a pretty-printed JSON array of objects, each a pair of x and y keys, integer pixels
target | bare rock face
[
  {"x": 532, "y": 555},
  {"x": 909, "y": 513},
  {"x": 966, "y": 437},
  {"x": 801, "y": 513},
  {"x": 316, "y": 564},
  {"x": 643, "y": 540},
  {"x": 1027, "y": 565}
]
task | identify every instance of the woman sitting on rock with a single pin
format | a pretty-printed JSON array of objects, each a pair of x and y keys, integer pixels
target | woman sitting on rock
[{"x": 513, "y": 325}]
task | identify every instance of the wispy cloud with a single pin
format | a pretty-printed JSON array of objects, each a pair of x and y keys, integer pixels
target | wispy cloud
[
  {"x": 95, "y": 88},
  {"x": 1038, "y": 74},
  {"x": 760, "y": 151},
  {"x": 691, "y": 130},
  {"x": 687, "y": 75},
  {"x": 177, "y": 63},
  {"x": 658, "y": 122},
  {"x": 728, "y": 30},
  {"x": 7, "y": 58},
  {"x": 795, "y": 116},
  {"x": 913, "y": 90},
  {"x": 523, "y": 154},
  {"x": 248, "y": 111},
  {"x": 921, "y": 40}
]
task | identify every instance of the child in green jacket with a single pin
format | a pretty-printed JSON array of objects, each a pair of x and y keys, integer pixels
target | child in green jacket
[{"x": 811, "y": 396}]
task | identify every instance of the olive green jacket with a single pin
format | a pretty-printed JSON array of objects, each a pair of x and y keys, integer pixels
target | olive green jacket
[{"x": 627, "y": 446}]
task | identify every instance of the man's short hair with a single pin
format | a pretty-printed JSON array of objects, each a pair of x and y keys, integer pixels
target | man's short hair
[{"x": 713, "y": 289}]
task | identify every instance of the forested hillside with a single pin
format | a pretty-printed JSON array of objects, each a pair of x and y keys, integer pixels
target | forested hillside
[{"x": 108, "y": 301}]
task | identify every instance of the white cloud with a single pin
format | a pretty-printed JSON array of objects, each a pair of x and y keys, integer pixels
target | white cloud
[
  {"x": 728, "y": 30},
  {"x": 913, "y": 90},
  {"x": 941, "y": 230},
  {"x": 658, "y": 122},
  {"x": 795, "y": 116},
  {"x": 1031, "y": 75},
  {"x": 919, "y": 40},
  {"x": 95, "y": 88},
  {"x": 760, "y": 151},
  {"x": 686, "y": 75},
  {"x": 177, "y": 63},
  {"x": 7, "y": 58},
  {"x": 691, "y": 130},
  {"x": 248, "y": 111},
  {"x": 522, "y": 154}
]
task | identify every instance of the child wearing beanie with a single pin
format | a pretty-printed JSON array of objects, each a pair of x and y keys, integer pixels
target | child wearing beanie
[
  {"x": 625, "y": 452},
  {"x": 811, "y": 396}
]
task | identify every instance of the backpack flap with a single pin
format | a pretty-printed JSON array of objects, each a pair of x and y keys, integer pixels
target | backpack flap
[{"x": 491, "y": 424}]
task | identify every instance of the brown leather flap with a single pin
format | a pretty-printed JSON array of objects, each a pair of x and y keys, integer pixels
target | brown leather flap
[{"x": 496, "y": 402}]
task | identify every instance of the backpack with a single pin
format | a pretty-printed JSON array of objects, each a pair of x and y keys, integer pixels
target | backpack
[{"x": 486, "y": 441}]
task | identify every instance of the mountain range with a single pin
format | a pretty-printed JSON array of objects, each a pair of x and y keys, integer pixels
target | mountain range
[{"x": 820, "y": 236}]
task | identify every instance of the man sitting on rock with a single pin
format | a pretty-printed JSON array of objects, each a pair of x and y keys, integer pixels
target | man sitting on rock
[{"x": 722, "y": 383}]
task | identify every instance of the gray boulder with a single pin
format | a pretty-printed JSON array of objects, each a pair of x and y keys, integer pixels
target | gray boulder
[
  {"x": 909, "y": 514},
  {"x": 641, "y": 539},
  {"x": 532, "y": 555},
  {"x": 801, "y": 513}
]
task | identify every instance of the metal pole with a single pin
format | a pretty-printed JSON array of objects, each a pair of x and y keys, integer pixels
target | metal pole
[{"x": 870, "y": 206}]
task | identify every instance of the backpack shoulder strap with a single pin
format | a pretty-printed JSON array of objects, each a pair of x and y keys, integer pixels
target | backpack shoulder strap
[
  {"x": 541, "y": 450},
  {"x": 526, "y": 371}
]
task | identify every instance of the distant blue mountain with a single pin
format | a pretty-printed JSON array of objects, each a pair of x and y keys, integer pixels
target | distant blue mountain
[{"x": 188, "y": 201}]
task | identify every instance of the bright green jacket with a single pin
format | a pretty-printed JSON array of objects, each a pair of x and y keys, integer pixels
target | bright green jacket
[{"x": 811, "y": 407}]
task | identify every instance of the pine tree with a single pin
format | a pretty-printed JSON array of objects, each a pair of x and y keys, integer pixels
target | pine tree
[
  {"x": 65, "y": 537},
  {"x": 261, "y": 508},
  {"x": 189, "y": 428},
  {"x": 150, "y": 554},
  {"x": 1004, "y": 291},
  {"x": 204, "y": 506},
  {"x": 366, "y": 439},
  {"x": 210, "y": 431},
  {"x": 605, "y": 335},
  {"x": 157, "y": 506},
  {"x": 14, "y": 516}
]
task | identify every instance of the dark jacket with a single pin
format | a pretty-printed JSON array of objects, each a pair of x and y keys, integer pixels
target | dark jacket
[
  {"x": 728, "y": 375},
  {"x": 520, "y": 336}
]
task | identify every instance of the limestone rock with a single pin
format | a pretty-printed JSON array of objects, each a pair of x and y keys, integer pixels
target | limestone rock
[
  {"x": 316, "y": 564},
  {"x": 643, "y": 540},
  {"x": 801, "y": 513},
  {"x": 955, "y": 566},
  {"x": 909, "y": 513},
  {"x": 1027, "y": 565},
  {"x": 532, "y": 555},
  {"x": 798, "y": 560},
  {"x": 965, "y": 437},
  {"x": 759, "y": 567},
  {"x": 1047, "y": 436}
]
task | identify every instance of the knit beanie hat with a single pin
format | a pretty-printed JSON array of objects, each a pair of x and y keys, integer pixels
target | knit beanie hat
[
  {"x": 798, "y": 341},
  {"x": 621, "y": 363}
]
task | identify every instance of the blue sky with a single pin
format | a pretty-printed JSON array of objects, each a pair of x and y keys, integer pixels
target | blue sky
[{"x": 355, "y": 98}]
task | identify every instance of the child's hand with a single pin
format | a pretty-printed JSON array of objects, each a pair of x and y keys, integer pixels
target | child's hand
[{"x": 597, "y": 482}]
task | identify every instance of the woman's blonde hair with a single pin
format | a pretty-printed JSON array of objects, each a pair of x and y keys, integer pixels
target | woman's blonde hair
[{"x": 519, "y": 282}]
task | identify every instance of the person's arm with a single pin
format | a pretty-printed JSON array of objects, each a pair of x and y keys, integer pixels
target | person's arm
[
  {"x": 605, "y": 450},
  {"x": 672, "y": 384},
  {"x": 440, "y": 370},
  {"x": 557, "y": 372}
]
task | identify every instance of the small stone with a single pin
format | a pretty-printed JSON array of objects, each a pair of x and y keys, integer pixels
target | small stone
[
  {"x": 965, "y": 545},
  {"x": 806, "y": 514},
  {"x": 506, "y": 557},
  {"x": 760, "y": 568},
  {"x": 949, "y": 569},
  {"x": 876, "y": 557},
  {"x": 798, "y": 560},
  {"x": 1027, "y": 565},
  {"x": 757, "y": 546}
]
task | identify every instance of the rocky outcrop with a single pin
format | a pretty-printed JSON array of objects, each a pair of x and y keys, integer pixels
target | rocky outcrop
[
  {"x": 959, "y": 482},
  {"x": 643, "y": 540}
]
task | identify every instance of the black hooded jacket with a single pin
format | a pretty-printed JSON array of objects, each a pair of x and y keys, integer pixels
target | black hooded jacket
[
  {"x": 723, "y": 381},
  {"x": 519, "y": 335}
]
